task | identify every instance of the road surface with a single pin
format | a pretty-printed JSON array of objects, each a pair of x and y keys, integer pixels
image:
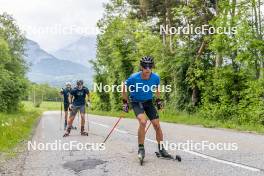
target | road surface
[{"x": 120, "y": 154}]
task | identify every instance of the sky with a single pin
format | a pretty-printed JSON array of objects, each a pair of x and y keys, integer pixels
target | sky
[{"x": 55, "y": 23}]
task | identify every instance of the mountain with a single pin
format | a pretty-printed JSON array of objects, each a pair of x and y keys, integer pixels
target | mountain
[
  {"x": 46, "y": 68},
  {"x": 80, "y": 51}
]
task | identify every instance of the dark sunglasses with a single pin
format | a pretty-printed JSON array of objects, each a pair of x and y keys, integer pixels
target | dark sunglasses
[{"x": 146, "y": 66}]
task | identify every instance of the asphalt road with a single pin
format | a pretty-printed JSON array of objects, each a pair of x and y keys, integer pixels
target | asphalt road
[{"x": 120, "y": 154}]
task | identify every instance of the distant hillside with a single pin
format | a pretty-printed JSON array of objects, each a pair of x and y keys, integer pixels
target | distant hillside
[
  {"x": 80, "y": 51},
  {"x": 45, "y": 68}
]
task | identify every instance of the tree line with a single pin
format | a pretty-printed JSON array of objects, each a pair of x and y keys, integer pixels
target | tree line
[
  {"x": 14, "y": 86},
  {"x": 218, "y": 76}
]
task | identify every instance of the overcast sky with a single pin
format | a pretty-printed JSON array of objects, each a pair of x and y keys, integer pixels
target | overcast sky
[{"x": 55, "y": 23}]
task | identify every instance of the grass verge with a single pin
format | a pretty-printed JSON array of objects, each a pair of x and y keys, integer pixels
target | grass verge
[{"x": 16, "y": 127}]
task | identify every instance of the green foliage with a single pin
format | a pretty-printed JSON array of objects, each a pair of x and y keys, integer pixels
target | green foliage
[
  {"x": 219, "y": 76},
  {"x": 13, "y": 84}
]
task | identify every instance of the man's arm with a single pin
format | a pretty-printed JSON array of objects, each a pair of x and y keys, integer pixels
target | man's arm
[{"x": 124, "y": 92}]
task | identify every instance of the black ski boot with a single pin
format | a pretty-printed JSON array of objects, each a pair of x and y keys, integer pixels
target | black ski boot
[
  {"x": 68, "y": 131},
  {"x": 83, "y": 133},
  {"x": 163, "y": 153}
]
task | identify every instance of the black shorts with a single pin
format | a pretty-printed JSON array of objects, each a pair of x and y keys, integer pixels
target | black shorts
[
  {"x": 66, "y": 106},
  {"x": 147, "y": 107}
]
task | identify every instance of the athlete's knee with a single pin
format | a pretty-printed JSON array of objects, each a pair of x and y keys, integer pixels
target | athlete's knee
[{"x": 142, "y": 121}]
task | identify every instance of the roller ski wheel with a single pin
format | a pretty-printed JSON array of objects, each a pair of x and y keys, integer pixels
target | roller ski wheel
[
  {"x": 83, "y": 133},
  {"x": 141, "y": 155},
  {"x": 141, "y": 160},
  {"x": 178, "y": 158}
]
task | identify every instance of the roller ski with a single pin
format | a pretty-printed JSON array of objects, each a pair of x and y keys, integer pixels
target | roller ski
[
  {"x": 141, "y": 155},
  {"x": 163, "y": 154}
]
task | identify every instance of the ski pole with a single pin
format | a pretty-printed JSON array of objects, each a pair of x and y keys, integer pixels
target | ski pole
[
  {"x": 61, "y": 114},
  {"x": 148, "y": 127},
  {"x": 87, "y": 120},
  {"x": 112, "y": 129}
]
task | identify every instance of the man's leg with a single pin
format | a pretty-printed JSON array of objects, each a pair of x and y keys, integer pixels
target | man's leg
[
  {"x": 65, "y": 119},
  {"x": 159, "y": 134},
  {"x": 70, "y": 121},
  {"x": 141, "y": 135},
  {"x": 66, "y": 107},
  {"x": 154, "y": 118},
  {"x": 82, "y": 112},
  {"x": 141, "y": 129},
  {"x": 139, "y": 112}
]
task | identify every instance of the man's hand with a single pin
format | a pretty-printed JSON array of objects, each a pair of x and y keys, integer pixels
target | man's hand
[
  {"x": 159, "y": 103},
  {"x": 88, "y": 103},
  {"x": 125, "y": 106}
]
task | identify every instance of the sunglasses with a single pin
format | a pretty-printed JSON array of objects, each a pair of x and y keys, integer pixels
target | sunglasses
[{"x": 147, "y": 66}]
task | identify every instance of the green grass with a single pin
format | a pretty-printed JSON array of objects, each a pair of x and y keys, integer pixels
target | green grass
[
  {"x": 16, "y": 127},
  {"x": 45, "y": 106}
]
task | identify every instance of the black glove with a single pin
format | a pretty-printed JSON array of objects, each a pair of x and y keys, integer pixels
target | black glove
[
  {"x": 125, "y": 106},
  {"x": 159, "y": 103}
]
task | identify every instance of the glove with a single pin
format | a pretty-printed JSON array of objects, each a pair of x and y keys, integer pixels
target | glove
[
  {"x": 125, "y": 106},
  {"x": 88, "y": 104},
  {"x": 159, "y": 104}
]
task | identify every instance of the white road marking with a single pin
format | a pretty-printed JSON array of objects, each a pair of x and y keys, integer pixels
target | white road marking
[
  {"x": 223, "y": 161},
  {"x": 193, "y": 152},
  {"x": 106, "y": 126}
]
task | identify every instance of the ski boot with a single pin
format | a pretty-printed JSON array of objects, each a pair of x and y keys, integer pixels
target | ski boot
[
  {"x": 163, "y": 153},
  {"x": 68, "y": 131},
  {"x": 83, "y": 133}
]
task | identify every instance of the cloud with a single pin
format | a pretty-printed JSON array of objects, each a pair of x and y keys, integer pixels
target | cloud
[{"x": 48, "y": 22}]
